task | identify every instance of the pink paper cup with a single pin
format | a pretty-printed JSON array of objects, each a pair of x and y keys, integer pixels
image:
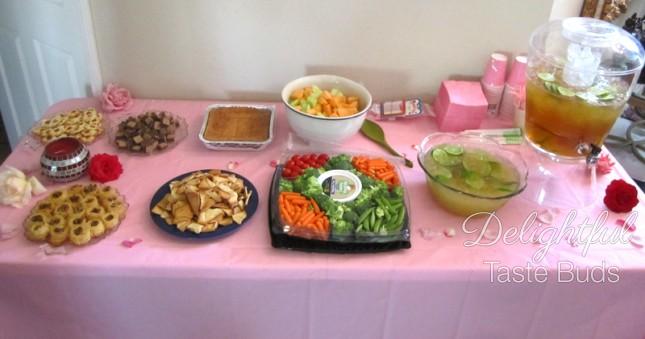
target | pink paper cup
[
  {"x": 517, "y": 78},
  {"x": 495, "y": 73}
]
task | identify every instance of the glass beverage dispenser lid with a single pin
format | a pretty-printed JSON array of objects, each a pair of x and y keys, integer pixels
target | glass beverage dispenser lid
[{"x": 585, "y": 47}]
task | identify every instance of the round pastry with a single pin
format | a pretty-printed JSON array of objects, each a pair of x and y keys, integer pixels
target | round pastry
[
  {"x": 44, "y": 207},
  {"x": 46, "y": 123},
  {"x": 96, "y": 227},
  {"x": 57, "y": 196},
  {"x": 63, "y": 209},
  {"x": 118, "y": 208},
  {"x": 56, "y": 221},
  {"x": 75, "y": 189},
  {"x": 90, "y": 202},
  {"x": 75, "y": 199},
  {"x": 77, "y": 211},
  {"x": 95, "y": 212},
  {"x": 107, "y": 191},
  {"x": 80, "y": 235},
  {"x": 58, "y": 234},
  {"x": 90, "y": 189},
  {"x": 37, "y": 231},
  {"x": 57, "y": 120},
  {"x": 37, "y": 218},
  {"x": 108, "y": 199},
  {"x": 75, "y": 222},
  {"x": 110, "y": 220}
]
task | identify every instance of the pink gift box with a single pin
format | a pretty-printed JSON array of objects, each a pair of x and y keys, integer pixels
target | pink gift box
[{"x": 459, "y": 105}]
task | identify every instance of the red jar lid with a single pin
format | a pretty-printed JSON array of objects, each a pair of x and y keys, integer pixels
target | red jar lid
[{"x": 62, "y": 147}]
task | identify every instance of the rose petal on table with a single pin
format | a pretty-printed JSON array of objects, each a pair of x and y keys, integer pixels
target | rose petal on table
[
  {"x": 415, "y": 147},
  {"x": 604, "y": 164},
  {"x": 48, "y": 249},
  {"x": 8, "y": 231},
  {"x": 545, "y": 216},
  {"x": 449, "y": 232},
  {"x": 273, "y": 163},
  {"x": 636, "y": 241},
  {"x": 427, "y": 233},
  {"x": 232, "y": 165},
  {"x": 624, "y": 224},
  {"x": 129, "y": 243}
]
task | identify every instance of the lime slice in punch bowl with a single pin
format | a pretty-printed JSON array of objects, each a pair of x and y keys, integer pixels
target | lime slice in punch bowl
[
  {"x": 454, "y": 149},
  {"x": 475, "y": 164},
  {"x": 443, "y": 158}
]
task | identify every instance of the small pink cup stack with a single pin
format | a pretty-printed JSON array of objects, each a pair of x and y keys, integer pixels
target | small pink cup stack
[
  {"x": 512, "y": 106},
  {"x": 493, "y": 81},
  {"x": 459, "y": 105}
]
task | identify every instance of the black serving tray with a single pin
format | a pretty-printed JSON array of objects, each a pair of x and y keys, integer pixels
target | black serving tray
[{"x": 346, "y": 244}]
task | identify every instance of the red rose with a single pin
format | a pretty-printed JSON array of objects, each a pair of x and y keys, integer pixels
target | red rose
[
  {"x": 105, "y": 167},
  {"x": 620, "y": 196}
]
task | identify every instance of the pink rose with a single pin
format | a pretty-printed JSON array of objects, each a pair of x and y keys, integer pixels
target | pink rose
[{"x": 115, "y": 98}]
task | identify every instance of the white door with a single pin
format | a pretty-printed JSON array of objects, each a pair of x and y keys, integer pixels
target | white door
[{"x": 47, "y": 54}]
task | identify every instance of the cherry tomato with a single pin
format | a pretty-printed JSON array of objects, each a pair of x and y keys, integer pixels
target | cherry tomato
[
  {"x": 301, "y": 164},
  {"x": 322, "y": 157},
  {"x": 286, "y": 172},
  {"x": 295, "y": 157}
]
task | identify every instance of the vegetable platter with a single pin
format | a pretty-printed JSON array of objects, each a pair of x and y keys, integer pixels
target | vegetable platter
[{"x": 339, "y": 203}]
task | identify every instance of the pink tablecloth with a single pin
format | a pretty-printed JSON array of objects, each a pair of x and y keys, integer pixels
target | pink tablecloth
[{"x": 240, "y": 287}]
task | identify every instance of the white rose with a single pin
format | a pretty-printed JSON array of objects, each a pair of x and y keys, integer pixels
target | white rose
[{"x": 16, "y": 189}]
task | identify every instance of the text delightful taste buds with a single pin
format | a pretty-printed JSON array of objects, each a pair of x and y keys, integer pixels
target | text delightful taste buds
[
  {"x": 565, "y": 272},
  {"x": 584, "y": 234},
  {"x": 532, "y": 232}
]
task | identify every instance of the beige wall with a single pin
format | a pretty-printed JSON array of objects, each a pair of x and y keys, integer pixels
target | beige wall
[{"x": 248, "y": 49}]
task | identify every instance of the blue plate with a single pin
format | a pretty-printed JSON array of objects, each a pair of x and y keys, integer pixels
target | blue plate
[{"x": 221, "y": 231}]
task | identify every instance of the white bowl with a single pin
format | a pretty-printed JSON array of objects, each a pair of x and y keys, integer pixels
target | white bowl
[{"x": 324, "y": 129}]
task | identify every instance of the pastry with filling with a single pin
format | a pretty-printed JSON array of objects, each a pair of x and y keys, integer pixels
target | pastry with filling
[
  {"x": 96, "y": 227},
  {"x": 110, "y": 220},
  {"x": 58, "y": 234},
  {"x": 76, "y": 214},
  {"x": 37, "y": 231},
  {"x": 80, "y": 235}
]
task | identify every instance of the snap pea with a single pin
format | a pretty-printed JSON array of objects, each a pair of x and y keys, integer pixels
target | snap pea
[
  {"x": 372, "y": 219},
  {"x": 365, "y": 225},
  {"x": 391, "y": 224},
  {"x": 399, "y": 219},
  {"x": 387, "y": 213},
  {"x": 382, "y": 231},
  {"x": 365, "y": 215},
  {"x": 377, "y": 225},
  {"x": 383, "y": 203}
]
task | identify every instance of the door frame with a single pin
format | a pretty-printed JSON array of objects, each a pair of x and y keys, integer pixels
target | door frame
[{"x": 94, "y": 65}]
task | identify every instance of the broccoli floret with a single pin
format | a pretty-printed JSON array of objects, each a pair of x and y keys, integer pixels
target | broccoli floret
[
  {"x": 350, "y": 216},
  {"x": 307, "y": 183},
  {"x": 286, "y": 186},
  {"x": 397, "y": 192},
  {"x": 341, "y": 161},
  {"x": 342, "y": 227}
]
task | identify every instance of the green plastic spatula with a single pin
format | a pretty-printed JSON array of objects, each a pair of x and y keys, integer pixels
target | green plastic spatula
[{"x": 374, "y": 132}]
